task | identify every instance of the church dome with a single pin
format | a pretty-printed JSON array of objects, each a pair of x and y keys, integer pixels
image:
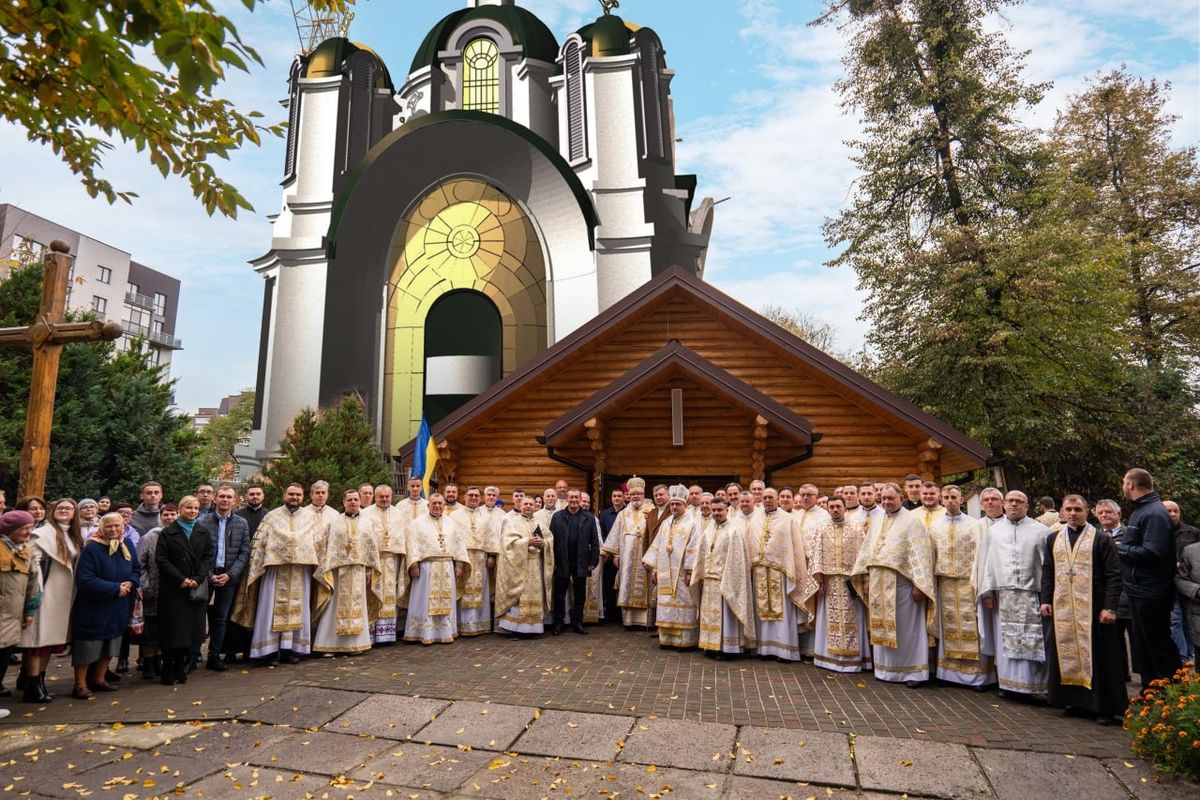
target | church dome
[
  {"x": 330, "y": 56},
  {"x": 609, "y": 35},
  {"x": 527, "y": 31}
]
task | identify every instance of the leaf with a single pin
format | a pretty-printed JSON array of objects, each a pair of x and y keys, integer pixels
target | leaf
[
  {"x": 905, "y": 762},
  {"x": 498, "y": 763},
  {"x": 651, "y": 768}
]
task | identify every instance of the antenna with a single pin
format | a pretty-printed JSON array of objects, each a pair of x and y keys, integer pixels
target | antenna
[{"x": 314, "y": 27}]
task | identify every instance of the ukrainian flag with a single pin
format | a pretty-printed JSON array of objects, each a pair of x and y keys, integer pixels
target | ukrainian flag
[{"x": 425, "y": 456}]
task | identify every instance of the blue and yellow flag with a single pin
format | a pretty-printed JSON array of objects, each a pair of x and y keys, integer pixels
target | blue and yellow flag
[{"x": 425, "y": 456}]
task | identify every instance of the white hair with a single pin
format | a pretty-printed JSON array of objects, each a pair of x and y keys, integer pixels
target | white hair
[{"x": 319, "y": 485}]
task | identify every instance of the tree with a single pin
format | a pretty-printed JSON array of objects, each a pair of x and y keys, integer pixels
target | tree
[
  {"x": 1142, "y": 197},
  {"x": 803, "y": 325},
  {"x": 223, "y": 434},
  {"x": 336, "y": 445},
  {"x": 957, "y": 232},
  {"x": 113, "y": 424},
  {"x": 141, "y": 71}
]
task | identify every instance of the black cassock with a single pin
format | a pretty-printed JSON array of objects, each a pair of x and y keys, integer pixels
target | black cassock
[{"x": 1108, "y": 695}]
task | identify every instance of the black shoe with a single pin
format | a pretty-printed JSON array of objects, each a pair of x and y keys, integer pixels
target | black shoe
[
  {"x": 34, "y": 694},
  {"x": 578, "y": 628},
  {"x": 46, "y": 693},
  {"x": 556, "y": 629},
  {"x": 111, "y": 677},
  {"x": 21, "y": 681},
  {"x": 181, "y": 674},
  {"x": 123, "y": 665},
  {"x": 216, "y": 665},
  {"x": 289, "y": 657},
  {"x": 914, "y": 684}
]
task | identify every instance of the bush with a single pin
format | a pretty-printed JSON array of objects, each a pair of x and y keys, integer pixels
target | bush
[{"x": 1164, "y": 723}]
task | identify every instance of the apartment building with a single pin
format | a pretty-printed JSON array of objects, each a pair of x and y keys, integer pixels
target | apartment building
[{"x": 104, "y": 280}]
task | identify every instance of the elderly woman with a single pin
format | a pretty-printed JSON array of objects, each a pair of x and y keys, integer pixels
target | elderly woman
[
  {"x": 20, "y": 585},
  {"x": 151, "y": 655},
  {"x": 184, "y": 556},
  {"x": 58, "y": 547},
  {"x": 105, "y": 580},
  {"x": 89, "y": 517}
]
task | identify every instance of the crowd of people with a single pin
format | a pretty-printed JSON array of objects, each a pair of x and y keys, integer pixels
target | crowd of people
[{"x": 893, "y": 578}]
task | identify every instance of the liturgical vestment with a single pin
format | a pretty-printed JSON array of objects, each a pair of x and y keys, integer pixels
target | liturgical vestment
[
  {"x": 840, "y": 637},
  {"x": 628, "y": 540},
  {"x": 673, "y": 555},
  {"x": 346, "y": 600},
  {"x": 483, "y": 541},
  {"x": 524, "y": 577},
  {"x": 779, "y": 571},
  {"x": 722, "y": 573},
  {"x": 389, "y": 528},
  {"x": 960, "y": 657}
]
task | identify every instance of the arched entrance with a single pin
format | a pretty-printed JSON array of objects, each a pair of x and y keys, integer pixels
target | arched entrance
[
  {"x": 463, "y": 237},
  {"x": 463, "y": 351}
]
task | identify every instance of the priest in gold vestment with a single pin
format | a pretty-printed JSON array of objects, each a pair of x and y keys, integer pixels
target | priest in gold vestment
[
  {"x": 809, "y": 517},
  {"x": 955, "y": 539},
  {"x": 722, "y": 574},
  {"x": 840, "y": 639},
  {"x": 627, "y": 543},
  {"x": 437, "y": 563},
  {"x": 483, "y": 544},
  {"x": 389, "y": 526},
  {"x": 412, "y": 505},
  {"x": 346, "y": 599},
  {"x": 277, "y": 602},
  {"x": 897, "y": 559},
  {"x": 524, "y": 574},
  {"x": 780, "y": 574},
  {"x": 671, "y": 559}
]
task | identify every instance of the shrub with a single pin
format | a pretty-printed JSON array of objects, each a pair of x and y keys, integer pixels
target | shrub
[{"x": 1164, "y": 723}]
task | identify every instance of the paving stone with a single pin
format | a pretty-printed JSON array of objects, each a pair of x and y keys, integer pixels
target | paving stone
[
  {"x": 483, "y": 726},
  {"x": 1017, "y": 775},
  {"x": 574, "y": 734},
  {"x": 226, "y": 741},
  {"x": 264, "y": 782},
  {"x": 388, "y": 716},
  {"x": 680, "y": 743},
  {"x": 305, "y": 706},
  {"x": 144, "y": 775},
  {"x": 637, "y": 780},
  {"x": 915, "y": 767},
  {"x": 438, "y": 767},
  {"x": 793, "y": 755},
  {"x": 59, "y": 760},
  {"x": 320, "y": 752},
  {"x": 1145, "y": 784},
  {"x": 27, "y": 737},
  {"x": 532, "y": 778},
  {"x": 143, "y": 737},
  {"x": 743, "y": 787}
]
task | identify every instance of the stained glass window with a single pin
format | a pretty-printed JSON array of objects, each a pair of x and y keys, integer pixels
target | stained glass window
[{"x": 481, "y": 76}]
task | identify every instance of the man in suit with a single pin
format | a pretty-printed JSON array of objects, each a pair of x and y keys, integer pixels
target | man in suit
[
  {"x": 576, "y": 554},
  {"x": 231, "y": 533}
]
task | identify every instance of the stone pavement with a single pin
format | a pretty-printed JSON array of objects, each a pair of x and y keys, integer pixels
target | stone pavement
[{"x": 607, "y": 715}]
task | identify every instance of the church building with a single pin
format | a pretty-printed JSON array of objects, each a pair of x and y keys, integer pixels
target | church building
[{"x": 500, "y": 244}]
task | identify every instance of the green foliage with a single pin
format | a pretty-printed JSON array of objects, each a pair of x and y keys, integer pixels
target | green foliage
[
  {"x": 141, "y": 71},
  {"x": 113, "y": 425},
  {"x": 337, "y": 445},
  {"x": 1164, "y": 723},
  {"x": 222, "y": 435}
]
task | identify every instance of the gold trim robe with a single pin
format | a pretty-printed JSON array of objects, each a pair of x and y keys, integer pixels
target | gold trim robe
[
  {"x": 482, "y": 540},
  {"x": 955, "y": 541},
  {"x": 722, "y": 572},
  {"x": 389, "y": 528},
  {"x": 288, "y": 543},
  {"x": 345, "y": 577},
  {"x": 773, "y": 540},
  {"x": 896, "y": 544},
  {"x": 520, "y": 568},
  {"x": 835, "y": 550}
]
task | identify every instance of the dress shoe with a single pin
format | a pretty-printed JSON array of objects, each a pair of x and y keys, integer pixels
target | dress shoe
[
  {"x": 914, "y": 684},
  {"x": 102, "y": 687},
  {"x": 578, "y": 628},
  {"x": 111, "y": 677},
  {"x": 123, "y": 665},
  {"x": 82, "y": 693},
  {"x": 216, "y": 665},
  {"x": 289, "y": 657},
  {"x": 556, "y": 629}
]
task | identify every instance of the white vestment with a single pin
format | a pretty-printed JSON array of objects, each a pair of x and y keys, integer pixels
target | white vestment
[{"x": 436, "y": 546}]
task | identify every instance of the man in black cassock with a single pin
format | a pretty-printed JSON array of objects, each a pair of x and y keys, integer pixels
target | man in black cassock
[{"x": 1081, "y": 586}]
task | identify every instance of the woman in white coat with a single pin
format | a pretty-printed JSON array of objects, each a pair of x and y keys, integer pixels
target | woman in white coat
[{"x": 59, "y": 543}]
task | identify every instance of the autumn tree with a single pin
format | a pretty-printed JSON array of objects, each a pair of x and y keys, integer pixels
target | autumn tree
[
  {"x": 78, "y": 75},
  {"x": 222, "y": 435},
  {"x": 956, "y": 232}
]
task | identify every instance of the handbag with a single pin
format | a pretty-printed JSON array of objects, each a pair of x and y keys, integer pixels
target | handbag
[
  {"x": 200, "y": 593},
  {"x": 137, "y": 619}
]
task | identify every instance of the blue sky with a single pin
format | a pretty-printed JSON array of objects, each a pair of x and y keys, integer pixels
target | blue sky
[{"x": 754, "y": 105}]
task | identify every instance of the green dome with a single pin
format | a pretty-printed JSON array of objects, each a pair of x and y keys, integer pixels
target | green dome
[
  {"x": 527, "y": 31},
  {"x": 608, "y": 35}
]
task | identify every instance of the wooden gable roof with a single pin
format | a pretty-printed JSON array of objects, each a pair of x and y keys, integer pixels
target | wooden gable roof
[{"x": 676, "y": 284}]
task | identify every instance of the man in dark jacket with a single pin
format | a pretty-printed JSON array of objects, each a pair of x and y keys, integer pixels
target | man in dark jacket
[
  {"x": 1148, "y": 573},
  {"x": 145, "y": 516},
  {"x": 1184, "y": 535},
  {"x": 576, "y": 554},
  {"x": 232, "y": 537}
]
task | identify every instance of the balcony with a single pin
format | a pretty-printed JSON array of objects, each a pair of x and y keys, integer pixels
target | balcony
[
  {"x": 140, "y": 300},
  {"x": 154, "y": 337}
]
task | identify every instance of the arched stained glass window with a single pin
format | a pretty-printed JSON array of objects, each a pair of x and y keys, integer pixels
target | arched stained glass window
[{"x": 481, "y": 76}]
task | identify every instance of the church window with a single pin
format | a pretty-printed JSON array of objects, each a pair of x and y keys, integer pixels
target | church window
[
  {"x": 652, "y": 112},
  {"x": 576, "y": 112},
  {"x": 481, "y": 76}
]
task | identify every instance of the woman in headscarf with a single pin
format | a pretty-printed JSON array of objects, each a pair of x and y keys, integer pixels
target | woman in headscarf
[
  {"x": 184, "y": 555},
  {"x": 20, "y": 586},
  {"x": 59, "y": 545},
  {"x": 106, "y": 581}
]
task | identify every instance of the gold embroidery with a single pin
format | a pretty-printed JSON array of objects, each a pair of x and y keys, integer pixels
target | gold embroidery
[{"x": 1073, "y": 606}]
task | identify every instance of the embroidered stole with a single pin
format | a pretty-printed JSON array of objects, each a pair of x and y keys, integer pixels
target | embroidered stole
[{"x": 1073, "y": 606}]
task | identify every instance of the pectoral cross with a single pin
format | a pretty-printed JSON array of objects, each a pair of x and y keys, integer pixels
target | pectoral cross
[{"x": 47, "y": 335}]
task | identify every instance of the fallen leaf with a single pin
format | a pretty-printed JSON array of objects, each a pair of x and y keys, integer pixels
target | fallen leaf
[
  {"x": 905, "y": 762},
  {"x": 651, "y": 768}
]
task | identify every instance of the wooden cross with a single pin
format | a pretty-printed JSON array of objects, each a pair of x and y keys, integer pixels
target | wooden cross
[{"x": 47, "y": 335}]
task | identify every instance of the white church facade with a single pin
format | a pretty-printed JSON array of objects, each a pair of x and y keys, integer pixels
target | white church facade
[{"x": 437, "y": 234}]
